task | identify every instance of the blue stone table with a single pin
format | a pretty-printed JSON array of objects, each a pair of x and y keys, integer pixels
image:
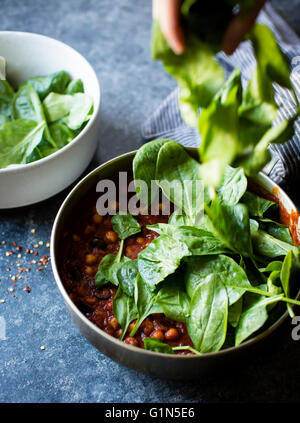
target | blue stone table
[{"x": 115, "y": 37}]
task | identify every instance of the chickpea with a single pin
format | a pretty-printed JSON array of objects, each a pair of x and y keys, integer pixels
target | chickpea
[
  {"x": 131, "y": 326},
  {"x": 131, "y": 341},
  {"x": 97, "y": 218},
  {"x": 140, "y": 240},
  {"x": 171, "y": 334},
  {"x": 90, "y": 259},
  {"x": 89, "y": 229},
  {"x": 114, "y": 323},
  {"x": 129, "y": 250},
  {"x": 111, "y": 236},
  {"x": 147, "y": 327},
  {"x": 89, "y": 270},
  {"x": 157, "y": 334}
]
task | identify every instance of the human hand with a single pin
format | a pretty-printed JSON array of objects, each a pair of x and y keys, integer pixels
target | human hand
[{"x": 167, "y": 12}]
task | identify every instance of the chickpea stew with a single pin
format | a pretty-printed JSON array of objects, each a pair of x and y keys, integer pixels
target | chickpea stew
[{"x": 190, "y": 280}]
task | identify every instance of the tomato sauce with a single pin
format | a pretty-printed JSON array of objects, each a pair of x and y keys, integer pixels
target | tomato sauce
[{"x": 87, "y": 239}]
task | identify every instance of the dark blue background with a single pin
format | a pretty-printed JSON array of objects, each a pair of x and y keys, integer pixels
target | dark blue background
[{"x": 115, "y": 37}]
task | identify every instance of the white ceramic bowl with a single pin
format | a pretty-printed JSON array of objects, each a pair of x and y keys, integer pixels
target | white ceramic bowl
[{"x": 29, "y": 55}]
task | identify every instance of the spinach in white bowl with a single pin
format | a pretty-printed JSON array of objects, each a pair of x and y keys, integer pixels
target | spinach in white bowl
[{"x": 44, "y": 114}]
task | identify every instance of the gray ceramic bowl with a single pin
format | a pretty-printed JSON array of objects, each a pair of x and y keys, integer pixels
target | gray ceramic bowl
[{"x": 156, "y": 364}]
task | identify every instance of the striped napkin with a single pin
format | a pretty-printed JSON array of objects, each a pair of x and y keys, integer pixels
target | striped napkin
[{"x": 166, "y": 122}]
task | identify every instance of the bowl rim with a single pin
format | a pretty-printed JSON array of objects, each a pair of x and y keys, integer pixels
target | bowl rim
[
  {"x": 120, "y": 344},
  {"x": 97, "y": 98}
]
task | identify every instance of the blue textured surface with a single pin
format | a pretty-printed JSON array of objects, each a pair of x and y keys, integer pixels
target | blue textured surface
[{"x": 115, "y": 37}]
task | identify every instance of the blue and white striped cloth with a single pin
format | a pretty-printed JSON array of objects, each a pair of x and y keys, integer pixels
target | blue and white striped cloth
[{"x": 166, "y": 122}]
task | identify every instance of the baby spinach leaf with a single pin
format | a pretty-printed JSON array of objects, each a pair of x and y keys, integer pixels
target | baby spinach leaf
[
  {"x": 27, "y": 105},
  {"x": 73, "y": 110},
  {"x": 125, "y": 225},
  {"x": 260, "y": 155},
  {"x": 145, "y": 301},
  {"x": 271, "y": 61},
  {"x": 218, "y": 127},
  {"x": 75, "y": 86},
  {"x": 254, "y": 317},
  {"x": 161, "y": 258},
  {"x": 144, "y": 167},
  {"x": 233, "y": 277},
  {"x": 109, "y": 266},
  {"x": 277, "y": 230},
  {"x": 179, "y": 218},
  {"x": 61, "y": 134},
  {"x": 155, "y": 345},
  {"x": 43, "y": 85},
  {"x": 196, "y": 71},
  {"x": 231, "y": 225},
  {"x": 257, "y": 206},
  {"x": 266, "y": 245},
  {"x": 234, "y": 312},
  {"x": 207, "y": 323},
  {"x": 258, "y": 106},
  {"x": 233, "y": 186},
  {"x": 126, "y": 276},
  {"x": 272, "y": 266},
  {"x": 178, "y": 176},
  {"x": 289, "y": 267},
  {"x": 198, "y": 241},
  {"x": 173, "y": 299},
  {"x": 124, "y": 310},
  {"x": 6, "y": 99},
  {"x": 18, "y": 139}
]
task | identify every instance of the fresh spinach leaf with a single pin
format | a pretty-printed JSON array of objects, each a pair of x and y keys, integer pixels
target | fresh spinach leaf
[
  {"x": 6, "y": 99},
  {"x": 173, "y": 299},
  {"x": 207, "y": 323},
  {"x": 18, "y": 139},
  {"x": 75, "y": 86},
  {"x": 43, "y": 85},
  {"x": 289, "y": 267},
  {"x": 231, "y": 224},
  {"x": 269, "y": 246},
  {"x": 196, "y": 71},
  {"x": 233, "y": 277},
  {"x": 145, "y": 301},
  {"x": 27, "y": 105},
  {"x": 124, "y": 310},
  {"x": 254, "y": 317},
  {"x": 126, "y": 276},
  {"x": 198, "y": 241},
  {"x": 61, "y": 134},
  {"x": 233, "y": 186},
  {"x": 178, "y": 176},
  {"x": 234, "y": 312},
  {"x": 257, "y": 206},
  {"x": 218, "y": 127},
  {"x": 155, "y": 345},
  {"x": 73, "y": 110},
  {"x": 125, "y": 225},
  {"x": 144, "y": 168},
  {"x": 160, "y": 259},
  {"x": 109, "y": 266},
  {"x": 277, "y": 230}
]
